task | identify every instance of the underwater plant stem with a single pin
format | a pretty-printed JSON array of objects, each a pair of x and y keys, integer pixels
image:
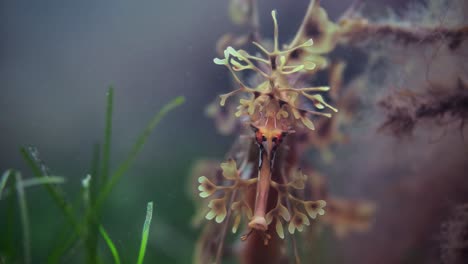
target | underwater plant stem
[
  {"x": 99, "y": 180},
  {"x": 3, "y": 181},
  {"x": 49, "y": 180},
  {"x": 124, "y": 166},
  {"x": 57, "y": 196},
  {"x": 24, "y": 218},
  {"x": 145, "y": 232},
  {"x": 110, "y": 244},
  {"x": 91, "y": 242},
  {"x": 107, "y": 138},
  {"x": 34, "y": 182},
  {"x": 94, "y": 169},
  {"x": 91, "y": 233},
  {"x": 54, "y": 256},
  {"x": 11, "y": 223},
  {"x": 11, "y": 213},
  {"x": 90, "y": 193}
]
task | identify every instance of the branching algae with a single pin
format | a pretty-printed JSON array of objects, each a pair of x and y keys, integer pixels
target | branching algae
[{"x": 264, "y": 185}]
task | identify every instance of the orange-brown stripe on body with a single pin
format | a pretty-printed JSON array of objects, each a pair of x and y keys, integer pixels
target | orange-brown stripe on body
[
  {"x": 258, "y": 221},
  {"x": 263, "y": 245},
  {"x": 254, "y": 248},
  {"x": 267, "y": 138},
  {"x": 263, "y": 199}
]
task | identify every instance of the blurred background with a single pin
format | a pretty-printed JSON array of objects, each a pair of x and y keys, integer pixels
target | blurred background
[{"x": 57, "y": 60}]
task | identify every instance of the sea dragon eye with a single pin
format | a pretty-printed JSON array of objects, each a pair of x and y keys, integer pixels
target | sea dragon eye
[{"x": 259, "y": 136}]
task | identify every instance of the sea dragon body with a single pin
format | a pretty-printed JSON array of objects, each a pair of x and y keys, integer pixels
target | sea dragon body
[{"x": 261, "y": 181}]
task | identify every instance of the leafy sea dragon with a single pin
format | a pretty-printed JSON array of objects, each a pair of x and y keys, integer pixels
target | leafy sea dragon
[{"x": 261, "y": 185}]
